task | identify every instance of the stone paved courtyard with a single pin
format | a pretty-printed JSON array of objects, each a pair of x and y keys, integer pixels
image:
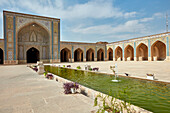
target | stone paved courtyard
[
  {"x": 23, "y": 91},
  {"x": 161, "y": 69}
]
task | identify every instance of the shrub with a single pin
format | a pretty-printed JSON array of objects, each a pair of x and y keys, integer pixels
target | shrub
[
  {"x": 95, "y": 69},
  {"x": 78, "y": 67},
  {"x": 67, "y": 87},
  {"x": 68, "y": 65},
  {"x": 45, "y": 73},
  {"x": 49, "y": 76},
  {"x": 35, "y": 69},
  {"x": 63, "y": 65},
  {"x": 90, "y": 69}
]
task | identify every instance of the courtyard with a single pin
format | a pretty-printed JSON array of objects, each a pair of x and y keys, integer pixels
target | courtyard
[{"x": 24, "y": 91}]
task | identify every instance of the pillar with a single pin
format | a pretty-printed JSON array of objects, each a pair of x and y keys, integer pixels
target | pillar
[
  {"x": 113, "y": 52},
  {"x": 149, "y": 50},
  {"x": 84, "y": 58},
  {"x": 95, "y": 58},
  {"x": 105, "y": 59},
  {"x": 123, "y": 52},
  {"x": 72, "y": 53},
  {"x": 135, "y": 59},
  {"x": 167, "y": 49}
]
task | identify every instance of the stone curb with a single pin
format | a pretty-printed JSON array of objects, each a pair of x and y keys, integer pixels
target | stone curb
[{"x": 93, "y": 93}]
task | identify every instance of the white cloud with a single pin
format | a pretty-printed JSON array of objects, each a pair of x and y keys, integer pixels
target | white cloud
[
  {"x": 128, "y": 27},
  {"x": 91, "y": 9},
  {"x": 130, "y": 14},
  {"x": 146, "y": 19}
]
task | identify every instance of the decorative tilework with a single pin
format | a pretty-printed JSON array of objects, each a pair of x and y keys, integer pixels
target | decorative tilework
[
  {"x": 149, "y": 48},
  {"x": 22, "y": 21},
  {"x": 14, "y": 32},
  {"x": 96, "y": 52},
  {"x": 123, "y": 50},
  {"x": 105, "y": 51},
  {"x": 52, "y": 37},
  {"x": 84, "y": 52},
  {"x": 5, "y": 38},
  {"x": 113, "y": 51},
  {"x": 59, "y": 40},
  {"x": 72, "y": 50},
  {"x": 134, "y": 49},
  {"x": 167, "y": 46},
  {"x": 9, "y": 55},
  {"x": 9, "y": 36}
]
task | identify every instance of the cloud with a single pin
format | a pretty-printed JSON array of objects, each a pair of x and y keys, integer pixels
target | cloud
[
  {"x": 92, "y": 9},
  {"x": 130, "y": 26},
  {"x": 146, "y": 19},
  {"x": 130, "y": 14}
]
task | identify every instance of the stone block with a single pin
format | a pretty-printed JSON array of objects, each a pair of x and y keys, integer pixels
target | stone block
[{"x": 40, "y": 69}]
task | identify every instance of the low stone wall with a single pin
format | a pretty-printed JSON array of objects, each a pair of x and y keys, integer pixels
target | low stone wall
[{"x": 93, "y": 93}]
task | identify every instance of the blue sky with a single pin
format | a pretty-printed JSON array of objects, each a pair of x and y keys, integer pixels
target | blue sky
[{"x": 97, "y": 20}]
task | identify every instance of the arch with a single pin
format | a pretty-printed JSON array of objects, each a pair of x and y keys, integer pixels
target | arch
[
  {"x": 78, "y": 55},
  {"x": 100, "y": 55},
  {"x": 110, "y": 54},
  {"x": 118, "y": 54},
  {"x": 33, "y": 35},
  {"x": 90, "y": 55},
  {"x": 1, "y": 56},
  {"x": 33, "y": 55},
  {"x": 142, "y": 52},
  {"x": 65, "y": 55},
  {"x": 158, "y": 51},
  {"x": 129, "y": 53},
  {"x": 30, "y": 23}
]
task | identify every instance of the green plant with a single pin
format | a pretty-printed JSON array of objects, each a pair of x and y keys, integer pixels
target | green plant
[
  {"x": 63, "y": 65},
  {"x": 90, "y": 69},
  {"x": 45, "y": 73},
  {"x": 113, "y": 69},
  {"x": 113, "y": 105},
  {"x": 106, "y": 103},
  {"x": 78, "y": 67}
]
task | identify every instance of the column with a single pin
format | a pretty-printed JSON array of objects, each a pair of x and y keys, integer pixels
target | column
[
  {"x": 95, "y": 58},
  {"x": 72, "y": 53},
  {"x": 149, "y": 50},
  {"x": 167, "y": 49},
  {"x": 113, "y": 52},
  {"x": 123, "y": 52},
  {"x": 135, "y": 51},
  {"x": 105, "y": 53},
  {"x": 84, "y": 58}
]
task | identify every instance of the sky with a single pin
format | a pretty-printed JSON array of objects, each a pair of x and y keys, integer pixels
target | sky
[{"x": 97, "y": 20}]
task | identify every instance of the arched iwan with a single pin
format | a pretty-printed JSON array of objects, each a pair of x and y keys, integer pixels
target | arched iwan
[
  {"x": 129, "y": 53},
  {"x": 100, "y": 55},
  {"x": 118, "y": 54},
  {"x": 33, "y": 55},
  {"x": 90, "y": 55},
  {"x": 142, "y": 52},
  {"x": 78, "y": 55},
  {"x": 110, "y": 54},
  {"x": 158, "y": 51},
  {"x": 65, "y": 55}
]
